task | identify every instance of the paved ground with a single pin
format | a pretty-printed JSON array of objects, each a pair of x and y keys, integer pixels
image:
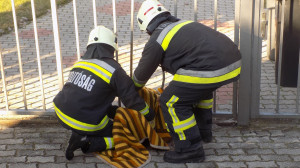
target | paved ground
[{"x": 263, "y": 144}]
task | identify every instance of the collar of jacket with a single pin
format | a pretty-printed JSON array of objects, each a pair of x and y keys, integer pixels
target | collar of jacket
[
  {"x": 98, "y": 51},
  {"x": 160, "y": 19}
]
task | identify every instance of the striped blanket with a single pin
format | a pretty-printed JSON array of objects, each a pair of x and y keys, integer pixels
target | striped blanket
[{"x": 130, "y": 129}]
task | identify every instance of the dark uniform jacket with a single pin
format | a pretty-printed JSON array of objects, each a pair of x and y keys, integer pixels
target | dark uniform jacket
[
  {"x": 92, "y": 86},
  {"x": 197, "y": 56}
]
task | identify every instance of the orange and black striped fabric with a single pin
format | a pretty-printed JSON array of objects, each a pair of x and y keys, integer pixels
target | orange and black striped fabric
[
  {"x": 151, "y": 96},
  {"x": 130, "y": 128}
]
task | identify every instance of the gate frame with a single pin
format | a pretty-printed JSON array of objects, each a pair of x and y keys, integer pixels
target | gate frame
[{"x": 250, "y": 48}]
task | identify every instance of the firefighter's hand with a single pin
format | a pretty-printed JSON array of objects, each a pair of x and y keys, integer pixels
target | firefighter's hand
[
  {"x": 112, "y": 111},
  {"x": 150, "y": 116}
]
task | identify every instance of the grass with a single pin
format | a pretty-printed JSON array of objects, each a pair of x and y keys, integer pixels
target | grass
[{"x": 23, "y": 12}]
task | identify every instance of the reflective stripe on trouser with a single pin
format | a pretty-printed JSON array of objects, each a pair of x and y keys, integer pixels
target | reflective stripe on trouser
[
  {"x": 203, "y": 113},
  {"x": 78, "y": 125},
  {"x": 98, "y": 144},
  {"x": 179, "y": 126},
  {"x": 177, "y": 107},
  {"x": 179, "y": 119},
  {"x": 109, "y": 141}
]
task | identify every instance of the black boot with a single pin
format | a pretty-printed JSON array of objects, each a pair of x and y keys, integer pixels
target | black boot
[
  {"x": 194, "y": 156},
  {"x": 96, "y": 144},
  {"x": 206, "y": 135},
  {"x": 204, "y": 122},
  {"x": 85, "y": 148},
  {"x": 76, "y": 141}
]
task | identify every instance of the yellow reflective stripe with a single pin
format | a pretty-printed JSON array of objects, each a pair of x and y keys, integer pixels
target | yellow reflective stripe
[
  {"x": 109, "y": 142},
  {"x": 171, "y": 109},
  {"x": 205, "y": 107},
  {"x": 167, "y": 127},
  {"x": 100, "y": 63},
  {"x": 137, "y": 82},
  {"x": 78, "y": 125},
  {"x": 201, "y": 80},
  {"x": 96, "y": 69},
  {"x": 145, "y": 111},
  {"x": 205, "y": 104},
  {"x": 185, "y": 124},
  {"x": 171, "y": 33},
  {"x": 175, "y": 119},
  {"x": 207, "y": 101},
  {"x": 99, "y": 71},
  {"x": 181, "y": 135}
]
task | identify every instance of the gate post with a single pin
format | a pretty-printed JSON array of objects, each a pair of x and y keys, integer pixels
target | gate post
[
  {"x": 250, "y": 47},
  {"x": 57, "y": 45}
]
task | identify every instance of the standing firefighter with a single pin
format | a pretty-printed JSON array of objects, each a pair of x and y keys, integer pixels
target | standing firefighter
[
  {"x": 85, "y": 103},
  {"x": 201, "y": 60}
]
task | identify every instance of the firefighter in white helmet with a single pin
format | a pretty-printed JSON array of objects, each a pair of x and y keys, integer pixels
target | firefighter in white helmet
[
  {"x": 201, "y": 60},
  {"x": 84, "y": 105}
]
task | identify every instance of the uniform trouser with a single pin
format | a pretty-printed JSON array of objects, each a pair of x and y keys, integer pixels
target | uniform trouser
[
  {"x": 177, "y": 105},
  {"x": 100, "y": 141},
  {"x": 203, "y": 114}
]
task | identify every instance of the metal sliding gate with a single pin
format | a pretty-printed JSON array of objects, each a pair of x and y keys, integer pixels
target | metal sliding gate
[
  {"x": 266, "y": 89},
  {"x": 35, "y": 60}
]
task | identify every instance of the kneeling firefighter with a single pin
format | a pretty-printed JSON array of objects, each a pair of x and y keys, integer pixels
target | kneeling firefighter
[
  {"x": 84, "y": 105},
  {"x": 201, "y": 60}
]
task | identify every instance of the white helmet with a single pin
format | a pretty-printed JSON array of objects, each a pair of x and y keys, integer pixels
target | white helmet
[
  {"x": 101, "y": 34},
  {"x": 148, "y": 10}
]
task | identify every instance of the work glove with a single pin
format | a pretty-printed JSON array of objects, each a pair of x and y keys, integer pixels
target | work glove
[
  {"x": 150, "y": 117},
  {"x": 112, "y": 111}
]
